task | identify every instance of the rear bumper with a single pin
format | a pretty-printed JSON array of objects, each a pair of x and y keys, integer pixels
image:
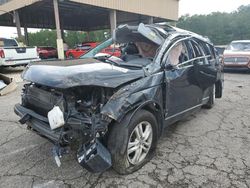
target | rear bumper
[
  {"x": 38, "y": 123},
  {"x": 5, "y": 63}
]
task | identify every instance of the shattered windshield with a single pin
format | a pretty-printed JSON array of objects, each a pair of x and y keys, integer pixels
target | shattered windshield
[
  {"x": 137, "y": 54},
  {"x": 131, "y": 46},
  {"x": 239, "y": 46}
]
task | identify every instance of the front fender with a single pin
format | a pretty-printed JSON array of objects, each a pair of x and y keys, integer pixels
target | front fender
[
  {"x": 134, "y": 95},
  {"x": 153, "y": 107}
]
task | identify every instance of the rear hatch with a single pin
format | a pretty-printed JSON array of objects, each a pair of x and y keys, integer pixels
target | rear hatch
[{"x": 20, "y": 53}]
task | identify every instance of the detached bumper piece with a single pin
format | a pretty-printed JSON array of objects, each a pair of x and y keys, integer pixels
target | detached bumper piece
[{"x": 95, "y": 158}]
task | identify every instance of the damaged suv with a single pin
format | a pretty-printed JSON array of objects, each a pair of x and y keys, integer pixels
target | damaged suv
[{"x": 112, "y": 110}]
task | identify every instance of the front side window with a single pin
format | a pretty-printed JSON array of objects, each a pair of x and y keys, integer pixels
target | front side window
[{"x": 177, "y": 54}]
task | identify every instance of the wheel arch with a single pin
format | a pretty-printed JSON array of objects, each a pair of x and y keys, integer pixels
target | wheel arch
[{"x": 153, "y": 107}]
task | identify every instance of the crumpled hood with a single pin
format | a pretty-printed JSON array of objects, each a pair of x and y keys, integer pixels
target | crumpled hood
[{"x": 88, "y": 74}]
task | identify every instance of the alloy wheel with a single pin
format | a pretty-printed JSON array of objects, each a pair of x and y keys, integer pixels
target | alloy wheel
[{"x": 140, "y": 142}]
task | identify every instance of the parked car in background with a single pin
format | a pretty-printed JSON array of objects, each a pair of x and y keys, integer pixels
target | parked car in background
[
  {"x": 237, "y": 55},
  {"x": 79, "y": 50},
  {"x": 112, "y": 50},
  {"x": 11, "y": 54},
  {"x": 85, "y": 47},
  {"x": 113, "y": 110},
  {"x": 46, "y": 52}
]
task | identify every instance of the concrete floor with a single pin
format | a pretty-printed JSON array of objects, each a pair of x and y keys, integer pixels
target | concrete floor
[{"x": 209, "y": 149}]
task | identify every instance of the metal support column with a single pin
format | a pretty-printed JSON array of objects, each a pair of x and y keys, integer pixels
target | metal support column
[
  {"x": 18, "y": 24},
  {"x": 113, "y": 22},
  {"x": 59, "y": 41},
  {"x": 151, "y": 20},
  {"x": 26, "y": 35},
  {"x": 87, "y": 36}
]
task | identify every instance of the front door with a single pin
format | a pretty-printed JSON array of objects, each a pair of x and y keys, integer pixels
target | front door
[{"x": 182, "y": 89}]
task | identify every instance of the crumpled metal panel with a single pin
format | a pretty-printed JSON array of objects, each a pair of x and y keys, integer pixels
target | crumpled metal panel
[
  {"x": 134, "y": 94},
  {"x": 89, "y": 74}
]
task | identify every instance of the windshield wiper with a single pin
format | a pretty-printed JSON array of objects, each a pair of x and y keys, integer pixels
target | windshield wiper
[
  {"x": 107, "y": 60},
  {"x": 130, "y": 65}
]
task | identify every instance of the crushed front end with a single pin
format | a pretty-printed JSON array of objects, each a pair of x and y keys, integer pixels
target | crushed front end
[{"x": 84, "y": 127}]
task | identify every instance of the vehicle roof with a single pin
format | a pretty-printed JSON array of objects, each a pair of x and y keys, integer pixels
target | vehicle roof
[
  {"x": 220, "y": 46},
  {"x": 171, "y": 29},
  {"x": 235, "y": 41},
  {"x": 89, "y": 42},
  {"x": 163, "y": 29}
]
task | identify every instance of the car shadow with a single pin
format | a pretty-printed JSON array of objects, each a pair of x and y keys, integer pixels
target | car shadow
[
  {"x": 237, "y": 71},
  {"x": 7, "y": 70}
]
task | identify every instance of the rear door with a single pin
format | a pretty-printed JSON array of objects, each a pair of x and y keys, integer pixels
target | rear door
[{"x": 204, "y": 67}]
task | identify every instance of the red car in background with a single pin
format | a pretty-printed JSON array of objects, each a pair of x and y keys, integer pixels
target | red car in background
[
  {"x": 80, "y": 50},
  {"x": 46, "y": 52},
  {"x": 114, "y": 51},
  {"x": 85, "y": 47}
]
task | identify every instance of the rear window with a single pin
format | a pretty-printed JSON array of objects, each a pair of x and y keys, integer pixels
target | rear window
[
  {"x": 239, "y": 46},
  {"x": 85, "y": 47},
  {"x": 7, "y": 43},
  {"x": 50, "y": 48}
]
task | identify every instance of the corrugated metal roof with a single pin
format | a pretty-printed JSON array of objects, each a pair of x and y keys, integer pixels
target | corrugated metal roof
[
  {"x": 14, "y": 5},
  {"x": 167, "y": 9}
]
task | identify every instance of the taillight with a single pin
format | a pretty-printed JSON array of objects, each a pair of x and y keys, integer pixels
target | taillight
[{"x": 2, "y": 54}]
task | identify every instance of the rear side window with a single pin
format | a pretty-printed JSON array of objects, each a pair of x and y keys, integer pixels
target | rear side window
[
  {"x": 198, "y": 52},
  {"x": 7, "y": 43},
  {"x": 196, "y": 49},
  {"x": 208, "y": 50}
]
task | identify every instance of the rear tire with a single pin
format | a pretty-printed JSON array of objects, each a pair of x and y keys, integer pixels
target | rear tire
[
  {"x": 132, "y": 143},
  {"x": 41, "y": 56},
  {"x": 71, "y": 56},
  {"x": 211, "y": 100}
]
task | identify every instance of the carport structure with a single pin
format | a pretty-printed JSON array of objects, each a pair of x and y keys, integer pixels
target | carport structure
[{"x": 83, "y": 15}]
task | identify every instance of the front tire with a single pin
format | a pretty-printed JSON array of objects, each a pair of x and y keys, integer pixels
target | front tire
[{"x": 132, "y": 143}]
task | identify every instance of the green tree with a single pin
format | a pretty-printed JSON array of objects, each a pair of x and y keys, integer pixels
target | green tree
[
  {"x": 48, "y": 37},
  {"x": 221, "y": 28},
  {"x": 43, "y": 38}
]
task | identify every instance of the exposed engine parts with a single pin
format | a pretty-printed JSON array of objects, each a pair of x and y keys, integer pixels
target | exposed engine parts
[{"x": 83, "y": 122}]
